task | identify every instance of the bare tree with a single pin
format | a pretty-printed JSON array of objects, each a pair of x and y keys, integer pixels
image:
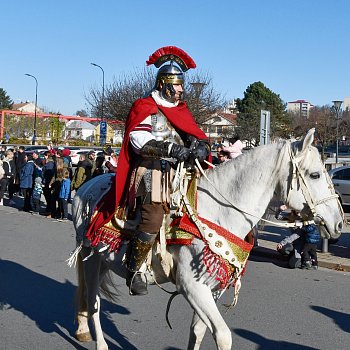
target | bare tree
[
  {"x": 206, "y": 102},
  {"x": 120, "y": 95}
]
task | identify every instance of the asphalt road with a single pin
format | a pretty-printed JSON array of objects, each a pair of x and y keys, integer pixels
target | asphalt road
[{"x": 278, "y": 308}]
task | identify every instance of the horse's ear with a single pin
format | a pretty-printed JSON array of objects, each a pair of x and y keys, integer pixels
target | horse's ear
[{"x": 309, "y": 139}]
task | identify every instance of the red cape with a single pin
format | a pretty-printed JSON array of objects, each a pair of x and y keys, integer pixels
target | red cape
[{"x": 179, "y": 116}]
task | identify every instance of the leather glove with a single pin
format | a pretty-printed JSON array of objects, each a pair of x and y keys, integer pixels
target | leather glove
[
  {"x": 201, "y": 150},
  {"x": 179, "y": 152}
]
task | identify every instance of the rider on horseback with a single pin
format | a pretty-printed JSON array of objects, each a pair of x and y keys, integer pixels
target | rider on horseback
[{"x": 160, "y": 131}]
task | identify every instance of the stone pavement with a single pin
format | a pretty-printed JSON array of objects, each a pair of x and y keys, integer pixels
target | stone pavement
[{"x": 337, "y": 258}]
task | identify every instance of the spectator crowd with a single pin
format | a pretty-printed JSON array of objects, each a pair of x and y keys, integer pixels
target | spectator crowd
[{"x": 46, "y": 181}]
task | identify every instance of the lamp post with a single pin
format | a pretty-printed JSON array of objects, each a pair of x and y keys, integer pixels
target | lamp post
[
  {"x": 337, "y": 108},
  {"x": 103, "y": 89},
  {"x": 103, "y": 125},
  {"x": 36, "y": 102}
]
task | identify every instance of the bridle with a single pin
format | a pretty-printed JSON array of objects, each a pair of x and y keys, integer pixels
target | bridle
[{"x": 298, "y": 179}]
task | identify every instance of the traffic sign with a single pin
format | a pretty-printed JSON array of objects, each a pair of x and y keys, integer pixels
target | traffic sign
[
  {"x": 103, "y": 127},
  {"x": 103, "y": 132}
]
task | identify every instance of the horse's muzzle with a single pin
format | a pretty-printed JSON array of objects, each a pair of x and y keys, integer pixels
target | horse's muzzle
[{"x": 324, "y": 230}]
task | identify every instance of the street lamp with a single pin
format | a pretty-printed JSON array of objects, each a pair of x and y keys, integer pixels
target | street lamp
[
  {"x": 337, "y": 108},
  {"x": 103, "y": 88},
  {"x": 36, "y": 102},
  {"x": 103, "y": 125}
]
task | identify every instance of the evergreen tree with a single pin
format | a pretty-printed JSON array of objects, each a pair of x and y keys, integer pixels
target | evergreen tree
[
  {"x": 5, "y": 100},
  {"x": 258, "y": 97}
]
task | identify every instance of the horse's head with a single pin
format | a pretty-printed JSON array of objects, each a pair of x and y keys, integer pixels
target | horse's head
[{"x": 311, "y": 191}]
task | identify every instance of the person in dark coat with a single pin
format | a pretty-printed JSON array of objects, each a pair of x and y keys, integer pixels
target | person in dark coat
[
  {"x": 99, "y": 166},
  {"x": 8, "y": 165},
  {"x": 26, "y": 182},
  {"x": 19, "y": 161},
  {"x": 48, "y": 174}
]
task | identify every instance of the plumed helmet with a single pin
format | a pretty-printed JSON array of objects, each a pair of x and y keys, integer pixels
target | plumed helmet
[{"x": 170, "y": 74}]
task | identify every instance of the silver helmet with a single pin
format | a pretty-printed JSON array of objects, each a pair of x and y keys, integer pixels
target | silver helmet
[{"x": 168, "y": 76}]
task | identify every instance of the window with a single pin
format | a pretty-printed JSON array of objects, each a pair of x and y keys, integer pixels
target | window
[
  {"x": 338, "y": 175},
  {"x": 346, "y": 174}
]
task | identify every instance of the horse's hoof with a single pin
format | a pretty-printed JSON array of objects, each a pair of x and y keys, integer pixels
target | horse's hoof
[{"x": 83, "y": 337}]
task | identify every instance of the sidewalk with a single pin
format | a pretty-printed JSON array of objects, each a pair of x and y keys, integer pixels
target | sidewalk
[{"x": 337, "y": 258}]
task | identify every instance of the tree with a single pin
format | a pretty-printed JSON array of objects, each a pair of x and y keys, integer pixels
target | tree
[
  {"x": 321, "y": 118},
  {"x": 205, "y": 102},
  {"x": 5, "y": 100},
  {"x": 82, "y": 113},
  {"x": 257, "y": 97},
  {"x": 120, "y": 95}
]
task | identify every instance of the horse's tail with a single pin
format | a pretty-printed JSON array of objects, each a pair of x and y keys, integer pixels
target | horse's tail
[
  {"x": 81, "y": 301},
  {"x": 107, "y": 282}
]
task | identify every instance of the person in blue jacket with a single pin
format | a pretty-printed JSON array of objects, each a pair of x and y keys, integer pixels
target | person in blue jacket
[
  {"x": 312, "y": 238},
  {"x": 26, "y": 182},
  {"x": 64, "y": 196}
]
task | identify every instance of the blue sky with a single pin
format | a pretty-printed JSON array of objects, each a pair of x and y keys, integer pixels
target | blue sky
[{"x": 297, "y": 48}]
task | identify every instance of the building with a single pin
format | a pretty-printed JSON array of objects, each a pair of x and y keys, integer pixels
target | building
[
  {"x": 28, "y": 107},
  {"x": 300, "y": 107},
  {"x": 219, "y": 126},
  {"x": 347, "y": 104},
  {"x": 77, "y": 129}
]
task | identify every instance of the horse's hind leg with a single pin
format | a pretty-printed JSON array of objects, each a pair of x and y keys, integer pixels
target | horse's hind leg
[
  {"x": 83, "y": 331},
  {"x": 197, "y": 332},
  {"x": 94, "y": 271},
  {"x": 100, "y": 340}
]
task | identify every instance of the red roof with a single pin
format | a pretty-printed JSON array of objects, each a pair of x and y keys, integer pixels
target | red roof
[
  {"x": 299, "y": 101},
  {"x": 229, "y": 116}
]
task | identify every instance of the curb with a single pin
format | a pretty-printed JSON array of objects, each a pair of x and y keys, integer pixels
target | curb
[{"x": 269, "y": 253}]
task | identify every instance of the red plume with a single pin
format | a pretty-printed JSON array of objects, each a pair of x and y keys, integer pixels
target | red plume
[{"x": 171, "y": 53}]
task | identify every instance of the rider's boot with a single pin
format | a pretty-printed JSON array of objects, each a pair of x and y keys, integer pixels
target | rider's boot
[{"x": 140, "y": 246}]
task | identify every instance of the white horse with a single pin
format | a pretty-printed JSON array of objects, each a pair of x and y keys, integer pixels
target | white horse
[{"x": 234, "y": 196}]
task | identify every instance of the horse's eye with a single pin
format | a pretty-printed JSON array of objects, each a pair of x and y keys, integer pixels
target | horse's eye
[{"x": 315, "y": 176}]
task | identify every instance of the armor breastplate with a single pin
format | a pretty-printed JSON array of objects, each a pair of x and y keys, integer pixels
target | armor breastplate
[{"x": 162, "y": 130}]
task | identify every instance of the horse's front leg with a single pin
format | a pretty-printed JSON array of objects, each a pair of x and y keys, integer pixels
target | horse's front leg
[
  {"x": 200, "y": 298},
  {"x": 197, "y": 332},
  {"x": 193, "y": 285}
]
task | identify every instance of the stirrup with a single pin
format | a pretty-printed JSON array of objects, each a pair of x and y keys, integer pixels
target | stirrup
[{"x": 136, "y": 285}]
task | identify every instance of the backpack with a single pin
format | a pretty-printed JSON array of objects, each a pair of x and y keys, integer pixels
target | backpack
[{"x": 2, "y": 171}]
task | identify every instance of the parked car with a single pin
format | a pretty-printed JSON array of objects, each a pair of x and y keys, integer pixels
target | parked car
[
  {"x": 38, "y": 149},
  {"x": 341, "y": 181},
  {"x": 75, "y": 154},
  {"x": 343, "y": 151}
]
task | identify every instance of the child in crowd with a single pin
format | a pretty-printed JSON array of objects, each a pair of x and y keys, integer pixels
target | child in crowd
[
  {"x": 301, "y": 245},
  {"x": 37, "y": 191},
  {"x": 63, "y": 197}
]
